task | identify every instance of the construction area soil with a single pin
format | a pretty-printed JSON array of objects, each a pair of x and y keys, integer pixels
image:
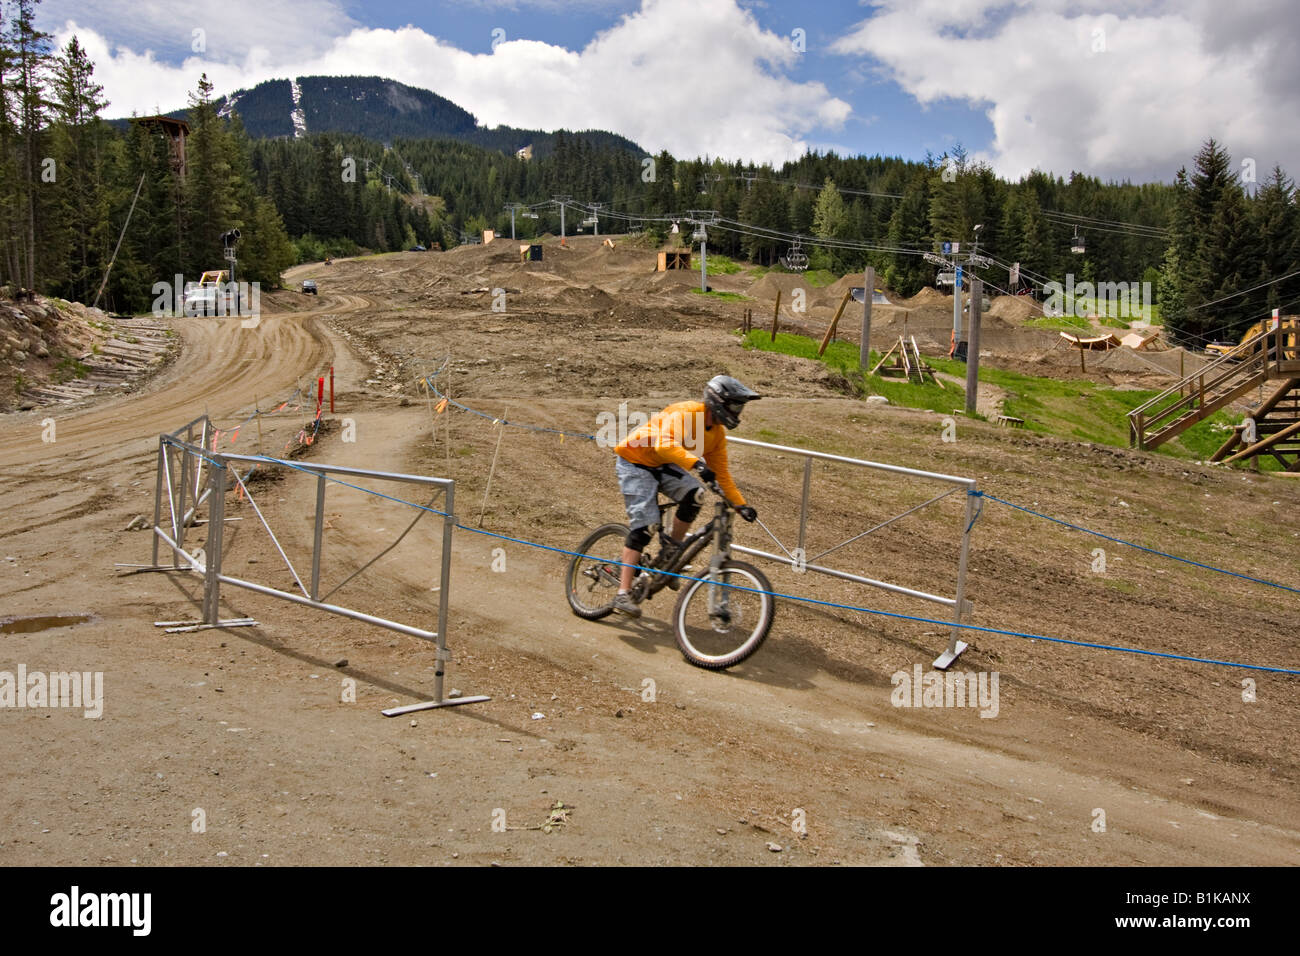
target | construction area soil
[{"x": 264, "y": 745}]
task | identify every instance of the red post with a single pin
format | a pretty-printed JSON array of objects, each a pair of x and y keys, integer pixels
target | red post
[
  {"x": 331, "y": 389},
  {"x": 320, "y": 394}
]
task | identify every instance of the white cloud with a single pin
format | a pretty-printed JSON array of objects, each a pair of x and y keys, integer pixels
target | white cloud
[
  {"x": 692, "y": 76},
  {"x": 1114, "y": 89}
]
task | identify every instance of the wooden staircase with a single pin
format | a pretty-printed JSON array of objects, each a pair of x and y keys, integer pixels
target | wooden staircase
[
  {"x": 1271, "y": 356},
  {"x": 1276, "y": 432}
]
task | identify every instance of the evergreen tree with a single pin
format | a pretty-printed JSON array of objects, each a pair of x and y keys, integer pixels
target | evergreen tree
[
  {"x": 80, "y": 248},
  {"x": 1274, "y": 219}
]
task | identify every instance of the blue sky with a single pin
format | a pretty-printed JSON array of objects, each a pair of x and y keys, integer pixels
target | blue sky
[{"x": 1117, "y": 89}]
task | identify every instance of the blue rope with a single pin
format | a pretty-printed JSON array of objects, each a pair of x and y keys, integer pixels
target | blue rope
[
  {"x": 979, "y": 507},
  {"x": 1163, "y": 554},
  {"x": 796, "y": 597}
]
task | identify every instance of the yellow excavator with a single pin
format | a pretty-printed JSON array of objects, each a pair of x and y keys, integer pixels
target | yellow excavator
[
  {"x": 1290, "y": 335},
  {"x": 201, "y": 297}
]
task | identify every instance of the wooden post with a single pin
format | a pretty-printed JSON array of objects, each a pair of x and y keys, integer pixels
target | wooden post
[
  {"x": 830, "y": 330},
  {"x": 776, "y": 314},
  {"x": 868, "y": 290}
]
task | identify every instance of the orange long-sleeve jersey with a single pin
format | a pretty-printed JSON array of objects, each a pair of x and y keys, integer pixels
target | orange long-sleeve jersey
[{"x": 677, "y": 436}]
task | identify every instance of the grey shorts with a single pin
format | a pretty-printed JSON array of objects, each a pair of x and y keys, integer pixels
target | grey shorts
[{"x": 641, "y": 487}]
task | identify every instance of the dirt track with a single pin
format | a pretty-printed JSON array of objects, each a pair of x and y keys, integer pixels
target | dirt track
[{"x": 248, "y": 725}]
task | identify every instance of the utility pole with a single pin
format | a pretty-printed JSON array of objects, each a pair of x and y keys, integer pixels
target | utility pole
[
  {"x": 512, "y": 208},
  {"x": 868, "y": 289},
  {"x": 973, "y": 347}
]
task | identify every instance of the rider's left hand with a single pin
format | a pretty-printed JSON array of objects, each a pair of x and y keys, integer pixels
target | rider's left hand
[{"x": 748, "y": 513}]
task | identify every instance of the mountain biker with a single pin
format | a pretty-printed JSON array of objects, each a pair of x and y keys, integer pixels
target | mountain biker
[{"x": 659, "y": 456}]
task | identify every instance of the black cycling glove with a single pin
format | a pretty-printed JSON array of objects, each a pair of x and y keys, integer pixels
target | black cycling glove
[
  {"x": 704, "y": 471},
  {"x": 748, "y": 513}
]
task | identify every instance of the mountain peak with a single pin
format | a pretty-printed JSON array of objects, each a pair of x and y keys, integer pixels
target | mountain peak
[{"x": 382, "y": 109}]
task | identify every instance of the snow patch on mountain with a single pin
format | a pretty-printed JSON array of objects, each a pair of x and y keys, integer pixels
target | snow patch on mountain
[
  {"x": 299, "y": 118},
  {"x": 228, "y": 107}
]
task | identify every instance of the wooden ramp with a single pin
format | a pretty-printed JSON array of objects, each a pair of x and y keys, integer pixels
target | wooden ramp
[{"x": 907, "y": 363}]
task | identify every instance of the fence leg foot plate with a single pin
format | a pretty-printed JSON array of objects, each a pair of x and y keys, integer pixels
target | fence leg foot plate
[
  {"x": 944, "y": 660},
  {"x": 431, "y": 704},
  {"x": 184, "y": 627}
]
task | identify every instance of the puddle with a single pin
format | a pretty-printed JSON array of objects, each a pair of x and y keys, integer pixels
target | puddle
[{"x": 34, "y": 625}]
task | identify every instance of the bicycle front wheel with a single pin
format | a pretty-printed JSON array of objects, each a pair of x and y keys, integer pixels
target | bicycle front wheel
[
  {"x": 724, "y": 617},
  {"x": 592, "y": 582}
]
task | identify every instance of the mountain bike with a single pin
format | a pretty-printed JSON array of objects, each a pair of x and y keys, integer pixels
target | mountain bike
[{"x": 722, "y": 615}]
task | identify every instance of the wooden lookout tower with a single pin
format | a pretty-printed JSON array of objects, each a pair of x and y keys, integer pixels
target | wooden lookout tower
[{"x": 176, "y": 131}]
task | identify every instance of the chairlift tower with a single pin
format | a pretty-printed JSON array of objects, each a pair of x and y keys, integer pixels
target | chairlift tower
[
  {"x": 512, "y": 208},
  {"x": 594, "y": 219},
  {"x": 952, "y": 259},
  {"x": 563, "y": 201},
  {"x": 702, "y": 219}
]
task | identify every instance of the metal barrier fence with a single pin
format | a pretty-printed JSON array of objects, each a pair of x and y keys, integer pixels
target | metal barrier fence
[
  {"x": 798, "y": 558},
  {"x": 182, "y": 467}
]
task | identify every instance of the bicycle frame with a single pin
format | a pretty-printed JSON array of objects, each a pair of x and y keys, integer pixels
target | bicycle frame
[{"x": 718, "y": 527}]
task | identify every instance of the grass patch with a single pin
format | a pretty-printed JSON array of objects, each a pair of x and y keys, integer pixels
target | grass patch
[
  {"x": 1088, "y": 411},
  {"x": 1081, "y": 410},
  {"x": 68, "y": 368},
  {"x": 842, "y": 357},
  {"x": 725, "y": 296},
  {"x": 820, "y": 278},
  {"x": 721, "y": 265}
]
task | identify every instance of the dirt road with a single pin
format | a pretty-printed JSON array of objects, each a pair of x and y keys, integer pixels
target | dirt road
[{"x": 243, "y": 746}]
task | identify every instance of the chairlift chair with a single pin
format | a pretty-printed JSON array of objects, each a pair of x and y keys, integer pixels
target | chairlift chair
[
  {"x": 1077, "y": 244},
  {"x": 796, "y": 260}
]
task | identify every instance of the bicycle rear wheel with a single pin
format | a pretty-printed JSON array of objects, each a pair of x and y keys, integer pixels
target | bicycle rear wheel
[
  {"x": 592, "y": 582},
  {"x": 724, "y": 617}
]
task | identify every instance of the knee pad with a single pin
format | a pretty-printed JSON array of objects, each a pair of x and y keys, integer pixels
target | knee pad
[
  {"x": 689, "y": 507},
  {"x": 637, "y": 539}
]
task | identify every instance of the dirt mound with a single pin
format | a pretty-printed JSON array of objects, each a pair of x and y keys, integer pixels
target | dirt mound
[
  {"x": 926, "y": 297},
  {"x": 588, "y": 297},
  {"x": 853, "y": 280},
  {"x": 1015, "y": 308},
  {"x": 766, "y": 288}
]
